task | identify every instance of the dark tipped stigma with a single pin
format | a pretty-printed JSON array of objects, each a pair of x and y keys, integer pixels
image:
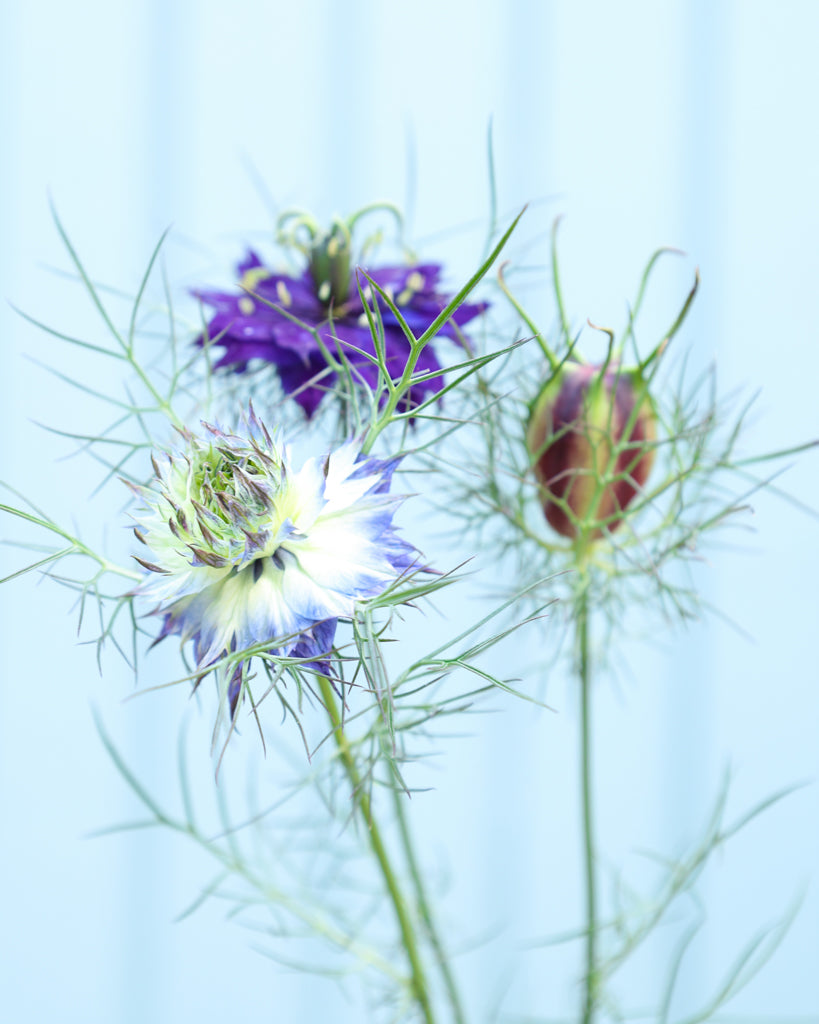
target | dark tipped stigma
[
  {"x": 150, "y": 566},
  {"x": 209, "y": 557}
]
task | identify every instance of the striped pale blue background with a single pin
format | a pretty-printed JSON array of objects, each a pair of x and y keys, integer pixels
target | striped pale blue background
[{"x": 690, "y": 124}]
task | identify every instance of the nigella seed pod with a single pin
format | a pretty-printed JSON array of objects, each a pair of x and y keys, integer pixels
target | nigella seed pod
[{"x": 591, "y": 439}]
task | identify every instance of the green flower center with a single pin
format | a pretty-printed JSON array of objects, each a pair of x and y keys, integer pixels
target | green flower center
[{"x": 330, "y": 261}]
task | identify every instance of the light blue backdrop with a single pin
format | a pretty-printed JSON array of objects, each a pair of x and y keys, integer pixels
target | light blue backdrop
[{"x": 687, "y": 124}]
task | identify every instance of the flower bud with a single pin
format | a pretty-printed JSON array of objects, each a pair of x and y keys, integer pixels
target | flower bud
[{"x": 590, "y": 437}]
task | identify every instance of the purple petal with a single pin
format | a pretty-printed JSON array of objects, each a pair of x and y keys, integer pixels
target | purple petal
[
  {"x": 250, "y": 262},
  {"x": 396, "y": 277},
  {"x": 294, "y": 294},
  {"x": 295, "y": 379}
]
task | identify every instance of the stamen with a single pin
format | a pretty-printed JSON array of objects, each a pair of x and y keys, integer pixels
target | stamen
[
  {"x": 207, "y": 535},
  {"x": 283, "y": 294},
  {"x": 251, "y": 278},
  {"x": 415, "y": 281},
  {"x": 208, "y": 557},
  {"x": 150, "y": 566}
]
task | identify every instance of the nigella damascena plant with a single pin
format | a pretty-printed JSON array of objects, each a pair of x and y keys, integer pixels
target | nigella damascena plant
[
  {"x": 294, "y": 321},
  {"x": 248, "y": 553},
  {"x": 591, "y": 435}
]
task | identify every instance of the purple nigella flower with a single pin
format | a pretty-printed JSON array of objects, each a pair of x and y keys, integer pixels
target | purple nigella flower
[{"x": 273, "y": 317}]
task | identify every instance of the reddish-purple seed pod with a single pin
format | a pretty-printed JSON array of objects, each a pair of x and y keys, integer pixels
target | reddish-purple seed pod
[{"x": 591, "y": 438}]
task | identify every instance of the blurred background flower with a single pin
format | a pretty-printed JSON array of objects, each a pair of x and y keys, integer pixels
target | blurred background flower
[
  {"x": 285, "y": 320},
  {"x": 645, "y": 124}
]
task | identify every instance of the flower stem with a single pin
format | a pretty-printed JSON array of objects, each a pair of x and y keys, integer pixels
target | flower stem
[
  {"x": 425, "y": 911},
  {"x": 362, "y": 800},
  {"x": 584, "y": 672}
]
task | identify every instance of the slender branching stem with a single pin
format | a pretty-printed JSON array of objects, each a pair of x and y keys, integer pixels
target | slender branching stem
[
  {"x": 425, "y": 910},
  {"x": 584, "y": 674},
  {"x": 364, "y": 806}
]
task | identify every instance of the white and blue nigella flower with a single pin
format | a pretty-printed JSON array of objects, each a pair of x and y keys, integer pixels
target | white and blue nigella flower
[{"x": 247, "y": 551}]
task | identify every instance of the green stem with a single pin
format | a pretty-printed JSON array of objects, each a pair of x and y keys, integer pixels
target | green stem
[
  {"x": 364, "y": 805},
  {"x": 584, "y": 671},
  {"x": 425, "y": 911}
]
